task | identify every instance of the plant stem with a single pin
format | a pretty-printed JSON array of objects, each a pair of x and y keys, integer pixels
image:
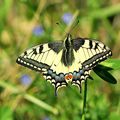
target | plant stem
[
  {"x": 84, "y": 100},
  {"x": 106, "y": 12},
  {"x": 29, "y": 97}
]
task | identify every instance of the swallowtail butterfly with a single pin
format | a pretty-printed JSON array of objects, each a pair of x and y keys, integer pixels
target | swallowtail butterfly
[{"x": 65, "y": 61}]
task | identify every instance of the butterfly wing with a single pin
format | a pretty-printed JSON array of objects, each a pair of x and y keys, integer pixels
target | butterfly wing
[
  {"x": 89, "y": 53},
  {"x": 45, "y": 58}
]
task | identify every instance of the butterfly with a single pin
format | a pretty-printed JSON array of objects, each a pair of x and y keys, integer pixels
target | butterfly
[{"x": 65, "y": 61}]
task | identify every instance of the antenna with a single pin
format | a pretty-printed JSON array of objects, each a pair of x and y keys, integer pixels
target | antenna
[
  {"x": 75, "y": 25},
  {"x": 61, "y": 26},
  {"x": 69, "y": 29},
  {"x": 77, "y": 22}
]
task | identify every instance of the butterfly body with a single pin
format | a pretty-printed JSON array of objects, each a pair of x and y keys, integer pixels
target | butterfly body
[{"x": 65, "y": 61}]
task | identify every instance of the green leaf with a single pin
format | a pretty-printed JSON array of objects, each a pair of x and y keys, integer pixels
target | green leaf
[
  {"x": 114, "y": 116},
  {"x": 113, "y": 63},
  {"x": 5, "y": 8},
  {"x": 5, "y": 113},
  {"x": 102, "y": 72}
]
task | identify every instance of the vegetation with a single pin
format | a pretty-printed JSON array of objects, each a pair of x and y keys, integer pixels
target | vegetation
[{"x": 24, "y": 94}]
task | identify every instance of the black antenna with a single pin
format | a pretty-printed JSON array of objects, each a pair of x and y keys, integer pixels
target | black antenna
[
  {"x": 69, "y": 30},
  {"x": 61, "y": 26},
  {"x": 75, "y": 25}
]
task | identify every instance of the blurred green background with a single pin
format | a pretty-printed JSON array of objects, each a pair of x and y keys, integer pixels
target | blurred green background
[{"x": 24, "y": 94}]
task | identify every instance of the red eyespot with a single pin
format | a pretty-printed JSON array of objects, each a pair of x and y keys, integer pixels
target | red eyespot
[{"x": 68, "y": 77}]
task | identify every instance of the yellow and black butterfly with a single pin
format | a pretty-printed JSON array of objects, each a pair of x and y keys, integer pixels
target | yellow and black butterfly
[{"x": 65, "y": 61}]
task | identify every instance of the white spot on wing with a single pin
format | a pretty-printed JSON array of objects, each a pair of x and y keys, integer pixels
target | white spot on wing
[
  {"x": 101, "y": 44},
  {"x": 37, "y": 49},
  {"x": 93, "y": 44},
  {"x": 45, "y": 48},
  {"x": 86, "y": 44}
]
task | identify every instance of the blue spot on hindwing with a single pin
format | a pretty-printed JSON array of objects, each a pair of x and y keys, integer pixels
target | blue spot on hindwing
[{"x": 81, "y": 72}]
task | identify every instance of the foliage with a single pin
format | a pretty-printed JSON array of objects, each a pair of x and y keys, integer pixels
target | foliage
[{"x": 25, "y": 23}]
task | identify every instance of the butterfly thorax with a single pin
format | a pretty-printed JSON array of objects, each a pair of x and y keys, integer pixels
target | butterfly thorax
[{"x": 67, "y": 55}]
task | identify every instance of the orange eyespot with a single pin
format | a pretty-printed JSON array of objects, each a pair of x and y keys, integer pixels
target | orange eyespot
[{"x": 68, "y": 77}]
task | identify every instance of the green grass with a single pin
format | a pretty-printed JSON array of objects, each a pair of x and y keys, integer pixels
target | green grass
[{"x": 97, "y": 20}]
